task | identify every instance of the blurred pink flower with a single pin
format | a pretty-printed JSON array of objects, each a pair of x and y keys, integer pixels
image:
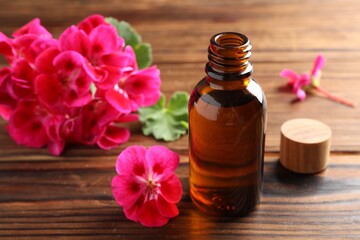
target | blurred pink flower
[
  {"x": 300, "y": 83},
  {"x": 146, "y": 186},
  {"x": 296, "y": 82}
]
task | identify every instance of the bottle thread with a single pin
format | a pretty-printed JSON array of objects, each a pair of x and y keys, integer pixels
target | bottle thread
[{"x": 228, "y": 55}]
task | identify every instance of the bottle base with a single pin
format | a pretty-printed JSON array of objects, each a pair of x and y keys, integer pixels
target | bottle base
[{"x": 219, "y": 208}]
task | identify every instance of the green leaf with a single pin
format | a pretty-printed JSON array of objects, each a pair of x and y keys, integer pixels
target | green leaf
[
  {"x": 125, "y": 30},
  {"x": 143, "y": 55},
  {"x": 178, "y": 103},
  {"x": 142, "y": 50},
  {"x": 166, "y": 123}
]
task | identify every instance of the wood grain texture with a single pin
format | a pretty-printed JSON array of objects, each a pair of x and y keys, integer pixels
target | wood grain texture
[
  {"x": 72, "y": 199},
  {"x": 69, "y": 197}
]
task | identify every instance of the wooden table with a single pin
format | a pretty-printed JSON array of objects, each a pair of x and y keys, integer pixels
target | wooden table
[{"x": 69, "y": 197}]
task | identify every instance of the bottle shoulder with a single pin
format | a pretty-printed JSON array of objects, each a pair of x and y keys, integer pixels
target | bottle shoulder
[{"x": 229, "y": 95}]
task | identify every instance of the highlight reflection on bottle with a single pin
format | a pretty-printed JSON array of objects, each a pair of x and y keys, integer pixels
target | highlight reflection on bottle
[{"x": 227, "y": 125}]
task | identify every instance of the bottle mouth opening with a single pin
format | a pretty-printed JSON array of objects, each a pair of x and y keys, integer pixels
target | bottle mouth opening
[
  {"x": 228, "y": 55},
  {"x": 229, "y": 40}
]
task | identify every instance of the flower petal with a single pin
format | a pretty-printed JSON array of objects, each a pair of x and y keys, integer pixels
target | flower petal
[
  {"x": 300, "y": 94},
  {"x": 166, "y": 209},
  {"x": 292, "y": 76},
  {"x": 304, "y": 80},
  {"x": 113, "y": 136},
  {"x": 56, "y": 142},
  {"x": 68, "y": 62},
  {"x": 5, "y": 74},
  {"x": 23, "y": 74},
  {"x": 105, "y": 113},
  {"x": 318, "y": 65},
  {"x": 144, "y": 83},
  {"x": 103, "y": 40},
  {"x": 171, "y": 189},
  {"x": 131, "y": 117},
  {"x": 75, "y": 99},
  {"x": 70, "y": 67},
  {"x": 6, "y": 47},
  {"x": 7, "y": 102},
  {"x": 42, "y": 44},
  {"x": 117, "y": 134},
  {"x": 132, "y": 161},
  {"x": 56, "y": 148},
  {"x": 162, "y": 159},
  {"x": 5, "y": 112},
  {"x": 89, "y": 23},
  {"x": 33, "y": 47},
  {"x": 133, "y": 213},
  {"x": 150, "y": 216},
  {"x": 126, "y": 190},
  {"x": 33, "y": 27},
  {"x": 48, "y": 90},
  {"x": 121, "y": 59},
  {"x": 25, "y": 128},
  {"x": 22, "y": 44},
  {"x": 109, "y": 76},
  {"x": 44, "y": 62},
  {"x": 31, "y": 135},
  {"x": 119, "y": 100},
  {"x": 23, "y": 77},
  {"x": 74, "y": 39}
]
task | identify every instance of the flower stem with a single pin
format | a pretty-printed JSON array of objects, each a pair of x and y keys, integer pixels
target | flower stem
[{"x": 334, "y": 97}]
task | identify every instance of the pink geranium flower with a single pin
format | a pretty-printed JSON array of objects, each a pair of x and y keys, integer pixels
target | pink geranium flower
[
  {"x": 136, "y": 90},
  {"x": 33, "y": 27},
  {"x": 105, "y": 51},
  {"x": 296, "y": 82},
  {"x": 27, "y": 125},
  {"x": 300, "y": 83},
  {"x": 77, "y": 89},
  {"x": 68, "y": 85},
  {"x": 146, "y": 186},
  {"x": 32, "y": 125},
  {"x": 95, "y": 125}
]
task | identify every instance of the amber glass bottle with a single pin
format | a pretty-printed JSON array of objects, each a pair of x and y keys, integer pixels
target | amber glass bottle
[{"x": 227, "y": 121}]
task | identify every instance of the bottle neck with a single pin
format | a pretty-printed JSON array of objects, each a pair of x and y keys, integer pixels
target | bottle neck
[{"x": 228, "y": 55}]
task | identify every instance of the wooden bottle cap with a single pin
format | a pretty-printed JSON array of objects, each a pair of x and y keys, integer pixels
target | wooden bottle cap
[{"x": 305, "y": 145}]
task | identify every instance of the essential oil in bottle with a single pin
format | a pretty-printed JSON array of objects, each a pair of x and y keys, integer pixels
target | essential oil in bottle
[{"x": 227, "y": 125}]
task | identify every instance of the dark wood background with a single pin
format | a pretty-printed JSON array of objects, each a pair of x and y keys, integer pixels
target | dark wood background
[{"x": 69, "y": 197}]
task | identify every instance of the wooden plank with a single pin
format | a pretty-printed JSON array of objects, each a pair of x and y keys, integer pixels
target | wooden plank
[{"x": 292, "y": 205}]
